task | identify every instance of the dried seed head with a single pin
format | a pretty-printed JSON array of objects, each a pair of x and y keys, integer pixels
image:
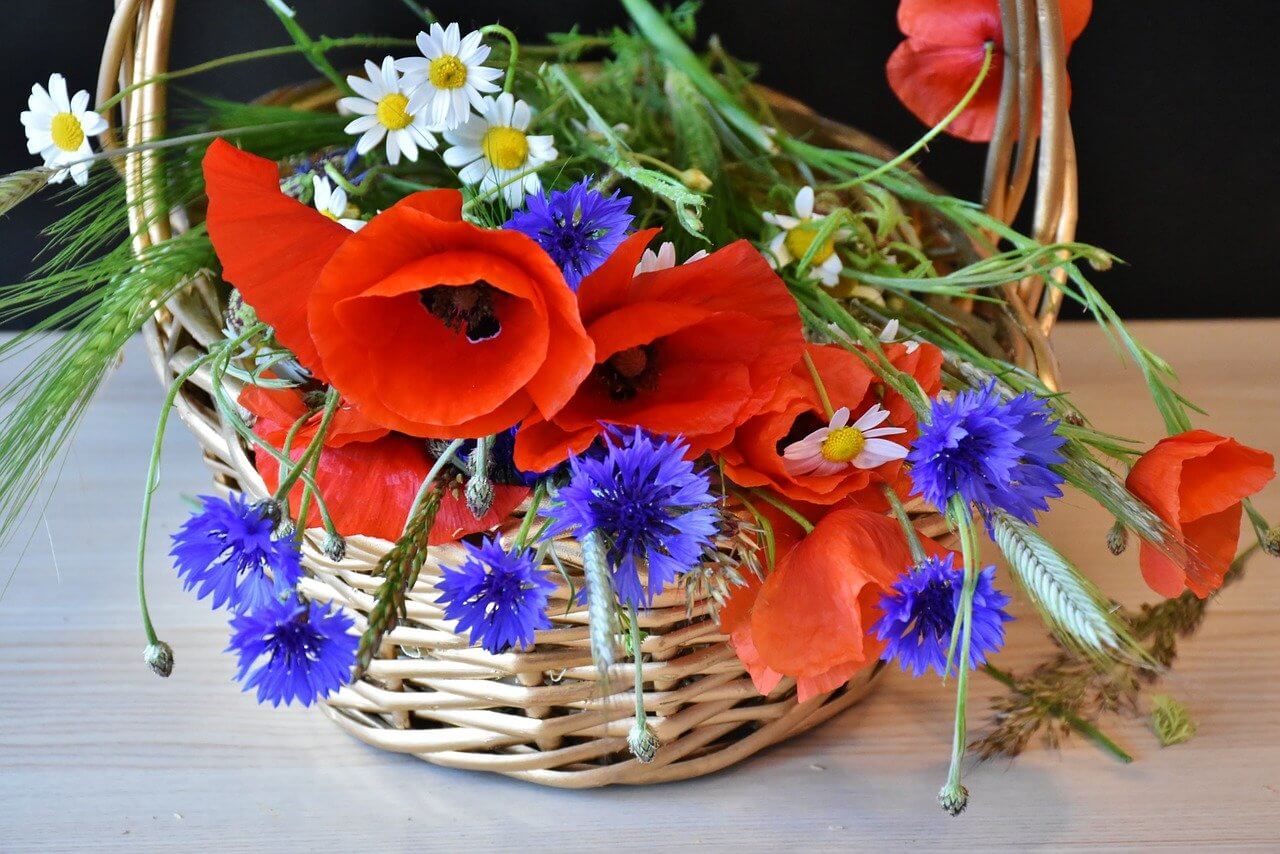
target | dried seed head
[
  {"x": 1118, "y": 538},
  {"x": 159, "y": 657}
]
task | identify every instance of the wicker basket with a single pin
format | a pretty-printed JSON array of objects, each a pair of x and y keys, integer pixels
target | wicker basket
[{"x": 540, "y": 715}]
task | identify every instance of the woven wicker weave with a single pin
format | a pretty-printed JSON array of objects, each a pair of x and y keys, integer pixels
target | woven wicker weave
[{"x": 541, "y": 714}]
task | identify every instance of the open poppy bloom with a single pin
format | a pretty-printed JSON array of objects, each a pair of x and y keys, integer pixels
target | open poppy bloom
[
  {"x": 794, "y": 449},
  {"x": 693, "y": 350},
  {"x": 429, "y": 325},
  {"x": 368, "y": 477},
  {"x": 1195, "y": 481},
  {"x": 934, "y": 67},
  {"x": 809, "y": 618}
]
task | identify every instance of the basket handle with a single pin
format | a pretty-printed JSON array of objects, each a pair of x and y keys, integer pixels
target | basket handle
[{"x": 137, "y": 48}]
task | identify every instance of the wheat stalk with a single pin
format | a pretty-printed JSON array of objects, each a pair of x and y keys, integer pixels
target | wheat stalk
[
  {"x": 1070, "y": 605},
  {"x": 17, "y": 187},
  {"x": 601, "y": 615}
]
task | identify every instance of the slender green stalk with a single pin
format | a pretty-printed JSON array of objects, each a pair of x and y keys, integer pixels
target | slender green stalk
[
  {"x": 522, "y": 535},
  {"x": 954, "y": 796},
  {"x": 513, "y": 56},
  {"x": 306, "y": 45},
  {"x": 923, "y": 141},
  {"x": 443, "y": 460},
  {"x": 153, "y": 467},
  {"x": 787, "y": 510},
  {"x": 313, "y": 451},
  {"x": 421, "y": 11},
  {"x": 819, "y": 385},
  {"x": 642, "y": 740},
  {"x": 908, "y": 530}
]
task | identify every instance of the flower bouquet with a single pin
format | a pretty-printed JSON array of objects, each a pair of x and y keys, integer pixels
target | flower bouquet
[{"x": 588, "y": 413}]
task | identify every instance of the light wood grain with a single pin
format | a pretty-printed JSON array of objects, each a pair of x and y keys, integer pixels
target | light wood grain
[{"x": 97, "y": 753}]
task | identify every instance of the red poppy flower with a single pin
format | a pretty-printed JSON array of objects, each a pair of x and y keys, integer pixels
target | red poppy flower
[
  {"x": 1195, "y": 481},
  {"x": 809, "y": 618},
  {"x": 368, "y": 477},
  {"x": 934, "y": 67},
  {"x": 693, "y": 350},
  {"x": 755, "y": 457},
  {"x": 430, "y": 325}
]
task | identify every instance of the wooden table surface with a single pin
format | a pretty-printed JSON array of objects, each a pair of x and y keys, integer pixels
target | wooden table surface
[{"x": 96, "y": 752}]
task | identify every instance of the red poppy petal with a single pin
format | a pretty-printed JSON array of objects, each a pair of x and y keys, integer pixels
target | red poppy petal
[
  {"x": 605, "y": 289},
  {"x": 1228, "y": 474},
  {"x": 930, "y": 81},
  {"x": 951, "y": 23},
  {"x": 455, "y": 520},
  {"x": 441, "y": 204},
  {"x": 1075, "y": 16},
  {"x": 542, "y": 445},
  {"x": 271, "y": 247},
  {"x": 762, "y": 676}
]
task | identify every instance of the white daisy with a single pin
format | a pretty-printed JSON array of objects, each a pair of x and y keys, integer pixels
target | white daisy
[
  {"x": 332, "y": 202},
  {"x": 58, "y": 129},
  {"x": 830, "y": 449},
  {"x": 493, "y": 150},
  {"x": 890, "y": 333},
  {"x": 449, "y": 76},
  {"x": 798, "y": 232},
  {"x": 664, "y": 258},
  {"x": 382, "y": 110}
]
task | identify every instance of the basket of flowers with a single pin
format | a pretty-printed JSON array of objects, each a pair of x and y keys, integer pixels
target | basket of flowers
[{"x": 589, "y": 414}]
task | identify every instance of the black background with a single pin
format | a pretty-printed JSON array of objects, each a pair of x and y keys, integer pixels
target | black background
[{"x": 1173, "y": 112}]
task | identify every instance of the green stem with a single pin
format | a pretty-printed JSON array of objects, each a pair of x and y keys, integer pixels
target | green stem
[
  {"x": 818, "y": 384},
  {"x": 638, "y": 658},
  {"x": 153, "y": 468},
  {"x": 958, "y": 510},
  {"x": 309, "y": 47},
  {"x": 522, "y": 535},
  {"x": 322, "y": 45},
  {"x": 934, "y": 131},
  {"x": 421, "y": 11},
  {"x": 1077, "y": 723},
  {"x": 909, "y": 531},
  {"x": 313, "y": 451},
  {"x": 513, "y": 57},
  {"x": 787, "y": 510},
  {"x": 443, "y": 460}
]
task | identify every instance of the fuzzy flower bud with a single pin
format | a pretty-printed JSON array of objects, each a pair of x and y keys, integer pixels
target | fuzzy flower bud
[
  {"x": 479, "y": 494},
  {"x": 159, "y": 657},
  {"x": 1271, "y": 542},
  {"x": 1118, "y": 538},
  {"x": 335, "y": 547},
  {"x": 269, "y": 509},
  {"x": 953, "y": 798},
  {"x": 643, "y": 741},
  {"x": 286, "y": 529}
]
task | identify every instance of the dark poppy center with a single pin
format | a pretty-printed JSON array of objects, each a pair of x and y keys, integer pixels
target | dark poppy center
[
  {"x": 804, "y": 424},
  {"x": 469, "y": 310},
  {"x": 628, "y": 372}
]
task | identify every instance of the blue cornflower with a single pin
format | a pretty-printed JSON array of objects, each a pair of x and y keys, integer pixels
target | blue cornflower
[
  {"x": 303, "y": 652},
  {"x": 921, "y": 610},
  {"x": 225, "y": 550},
  {"x": 499, "y": 596},
  {"x": 648, "y": 503},
  {"x": 578, "y": 227},
  {"x": 990, "y": 451}
]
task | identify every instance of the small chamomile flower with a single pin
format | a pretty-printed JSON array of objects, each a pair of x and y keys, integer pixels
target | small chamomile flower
[
  {"x": 664, "y": 258},
  {"x": 797, "y": 235},
  {"x": 829, "y": 450},
  {"x": 494, "y": 151},
  {"x": 58, "y": 128},
  {"x": 450, "y": 77},
  {"x": 382, "y": 112},
  {"x": 332, "y": 202}
]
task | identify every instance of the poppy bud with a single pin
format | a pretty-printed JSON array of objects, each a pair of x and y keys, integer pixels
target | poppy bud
[
  {"x": 479, "y": 494},
  {"x": 953, "y": 798},
  {"x": 335, "y": 547},
  {"x": 643, "y": 742},
  {"x": 1118, "y": 538},
  {"x": 159, "y": 657}
]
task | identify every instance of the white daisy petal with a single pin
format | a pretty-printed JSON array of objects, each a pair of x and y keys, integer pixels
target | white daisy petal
[
  {"x": 873, "y": 417},
  {"x": 884, "y": 431},
  {"x": 840, "y": 418},
  {"x": 804, "y": 202}
]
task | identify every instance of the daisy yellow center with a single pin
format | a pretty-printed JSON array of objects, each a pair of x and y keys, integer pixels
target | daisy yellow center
[
  {"x": 800, "y": 238},
  {"x": 505, "y": 147},
  {"x": 447, "y": 72},
  {"x": 67, "y": 132},
  {"x": 393, "y": 112},
  {"x": 843, "y": 444}
]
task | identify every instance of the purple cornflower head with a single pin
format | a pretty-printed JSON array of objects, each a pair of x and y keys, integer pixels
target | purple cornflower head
[
  {"x": 226, "y": 548},
  {"x": 500, "y": 596},
  {"x": 920, "y": 612},
  {"x": 992, "y": 452},
  {"x": 646, "y": 500},
  {"x": 302, "y": 651},
  {"x": 578, "y": 227}
]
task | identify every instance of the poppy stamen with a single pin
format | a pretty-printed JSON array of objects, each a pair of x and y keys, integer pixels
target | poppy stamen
[
  {"x": 628, "y": 372},
  {"x": 469, "y": 309}
]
